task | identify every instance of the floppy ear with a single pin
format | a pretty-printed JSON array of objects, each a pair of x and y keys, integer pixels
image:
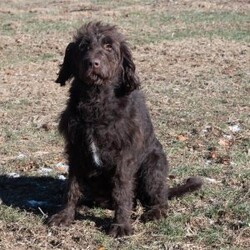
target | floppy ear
[
  {"x": 66, "y": 70},
  {"x": 130, "y": 80}
]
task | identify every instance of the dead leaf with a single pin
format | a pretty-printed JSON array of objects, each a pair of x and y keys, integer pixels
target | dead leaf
[
  {"x": 101, "y": 248},
  {"x": 225, "y": 143},
  {"x": 182, "y": 137},
  {"x": 211, "y": 180}
]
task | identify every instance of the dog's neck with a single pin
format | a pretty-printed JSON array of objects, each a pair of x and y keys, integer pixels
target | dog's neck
[{"x": 93, "y": 102}]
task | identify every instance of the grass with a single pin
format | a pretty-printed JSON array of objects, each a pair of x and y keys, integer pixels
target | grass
[
  {"x": 193, "y": 61},
  {"x": 186, "y": 24}
]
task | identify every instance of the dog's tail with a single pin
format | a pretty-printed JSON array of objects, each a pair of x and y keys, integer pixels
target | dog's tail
[{"x": 191, "y": 184}]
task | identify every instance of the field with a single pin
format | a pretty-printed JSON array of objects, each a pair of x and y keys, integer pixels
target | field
[{"x": 193, "y": 59}]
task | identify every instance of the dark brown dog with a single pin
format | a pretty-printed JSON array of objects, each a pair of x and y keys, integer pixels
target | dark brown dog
[{"x": 110, "y": 142}]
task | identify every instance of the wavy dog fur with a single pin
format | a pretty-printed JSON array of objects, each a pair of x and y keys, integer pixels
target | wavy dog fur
[{"x": 112, "y": 150}]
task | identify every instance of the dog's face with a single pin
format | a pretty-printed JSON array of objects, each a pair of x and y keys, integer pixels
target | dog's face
[{"x": 99, "y": 56}]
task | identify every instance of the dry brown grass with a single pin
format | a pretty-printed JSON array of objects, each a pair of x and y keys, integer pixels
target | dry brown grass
[{"x": 193, "y": 59}]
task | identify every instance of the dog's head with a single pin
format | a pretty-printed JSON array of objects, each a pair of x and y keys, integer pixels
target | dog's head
[{"x": 99, "y": 55}]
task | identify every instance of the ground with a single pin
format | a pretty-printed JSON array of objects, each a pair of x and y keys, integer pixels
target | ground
[{"x": 193, "y": 60}]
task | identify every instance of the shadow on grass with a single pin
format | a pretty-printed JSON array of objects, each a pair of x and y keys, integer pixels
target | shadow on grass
[
  {"x": 46, "y": 194},
  {"x": 31, "y": 192}
]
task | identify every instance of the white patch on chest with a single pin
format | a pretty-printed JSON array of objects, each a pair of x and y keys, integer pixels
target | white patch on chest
[{"x": 96, "y": 156}]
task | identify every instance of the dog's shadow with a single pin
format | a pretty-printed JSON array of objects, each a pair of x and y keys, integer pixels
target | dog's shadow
[{"x": 42, "y": 196}]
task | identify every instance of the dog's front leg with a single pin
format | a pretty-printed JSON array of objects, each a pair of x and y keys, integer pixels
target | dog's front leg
[
  {"x": 67, "y": 215},
  {"x": 123, "y": 199}
]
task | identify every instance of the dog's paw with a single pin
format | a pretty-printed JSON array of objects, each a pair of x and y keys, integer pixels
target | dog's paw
[
  {"x": 120, "y": 230},
  {"x": 154, "y": 214},
  {"x": 63, "y": 218}
]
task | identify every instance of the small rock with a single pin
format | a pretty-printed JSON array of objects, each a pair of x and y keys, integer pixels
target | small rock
[
  {"x": 44, "y": 170},
  {"x": 21, "y": 156},
  {"x": 13, "y": 175},
  {"x": 208, "y": 162},
  {"x": 62, "y": 177},
  {"x": 235, "y": 128},
  {"x": 228, "y": 137}
]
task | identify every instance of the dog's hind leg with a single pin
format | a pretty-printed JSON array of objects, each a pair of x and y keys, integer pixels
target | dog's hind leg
[{"x": 152, "y": 187}]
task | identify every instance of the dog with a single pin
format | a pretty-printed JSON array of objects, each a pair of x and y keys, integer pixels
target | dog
[{"x": 112, "y": 150}]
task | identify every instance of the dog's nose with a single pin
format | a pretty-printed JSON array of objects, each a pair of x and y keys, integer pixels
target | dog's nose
[{"x": 95, "y": 63}]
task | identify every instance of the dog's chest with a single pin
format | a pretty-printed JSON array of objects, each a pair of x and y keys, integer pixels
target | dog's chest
[
  {"x": 101, "y": 147},
  {"x": 95, "y": 153},
  {"x": 93, "y": 148}
]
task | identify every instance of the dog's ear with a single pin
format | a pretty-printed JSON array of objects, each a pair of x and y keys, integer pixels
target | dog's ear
[
  {"x": 67, "y": 67},
  {"x": 130, "y": 80}
]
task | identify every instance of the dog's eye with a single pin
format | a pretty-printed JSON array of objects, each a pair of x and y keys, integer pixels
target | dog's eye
[{"x": 108, "y": 46}]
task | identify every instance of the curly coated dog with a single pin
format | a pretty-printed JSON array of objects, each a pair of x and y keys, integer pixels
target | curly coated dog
[{"x": 112, "y": 149}]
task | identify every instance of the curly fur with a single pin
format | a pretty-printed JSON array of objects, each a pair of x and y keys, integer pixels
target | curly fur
[{"x": 112, "y": 150}]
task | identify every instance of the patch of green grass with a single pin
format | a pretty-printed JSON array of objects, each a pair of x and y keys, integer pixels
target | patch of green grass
[
  {"x": 227, "y": 25},
  {"x": 186, "y": 170},
  {"x": 123, "y": 3},
  {"x": 10, "y": 22},
  {"x": 215, "y": 17},
  {"x": 212, "y": 236},
  {"x": 27, "y": 139},
  {"x": 37, "y": 26},
  {"x": 24, "y": 57},
  {"x": 7, "y": 29},
  {"x": 171, "y": 26},
  {"x": 173, "y": 227},
  {"x": 238, "y": 35},
  {"x": 16, "y": 104},
  {"x": 10, "y": 214},
  {"x": 47, "y": 56},
  {"x": 241, "y": 210}
]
